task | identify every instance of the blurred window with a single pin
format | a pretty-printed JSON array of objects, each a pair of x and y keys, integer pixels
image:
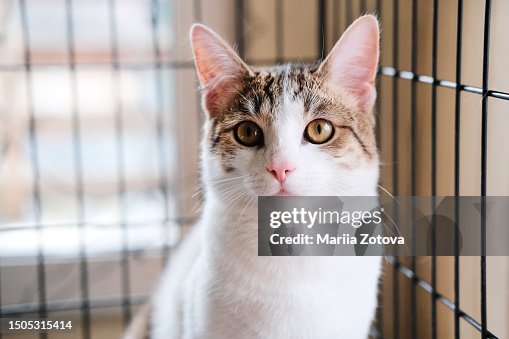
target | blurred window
[{"x": 114, "y": 166}]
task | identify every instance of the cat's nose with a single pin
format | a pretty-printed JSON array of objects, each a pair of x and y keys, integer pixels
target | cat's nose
[{"x": 280, "y": 171}]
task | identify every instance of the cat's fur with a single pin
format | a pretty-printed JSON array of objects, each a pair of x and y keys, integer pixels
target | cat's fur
[{"x": 217, "y": 286}]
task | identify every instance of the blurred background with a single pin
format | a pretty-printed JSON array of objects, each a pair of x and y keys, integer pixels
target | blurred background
[{"x": 100, "y": 126}]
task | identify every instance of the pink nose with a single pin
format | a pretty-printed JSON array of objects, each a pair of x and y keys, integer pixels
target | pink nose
[{"x": 280, "y": 171}]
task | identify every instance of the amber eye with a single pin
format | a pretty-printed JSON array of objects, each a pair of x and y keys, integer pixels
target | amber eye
[
  {"x": 248, "y": 133},
  {"x": 319, "y": 131}
]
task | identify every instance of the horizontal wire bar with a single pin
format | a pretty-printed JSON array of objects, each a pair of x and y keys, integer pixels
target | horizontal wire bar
[
  {"x": 146, "y": 65},
  {"x": 472, "y": 89},
  {"x": 142, "y": 65},
  {"x": 498, "y": 95},
  {"x": 24, "y": 226},
  {"x": 384, "y": 70},
  {"x": 425, "y": 79},
  {"x": 407, "y": 271},
  {"x": 75, "y": 304}
]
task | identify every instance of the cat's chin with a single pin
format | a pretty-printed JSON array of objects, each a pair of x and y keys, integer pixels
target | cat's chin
[{"x": 284, "y": 193}]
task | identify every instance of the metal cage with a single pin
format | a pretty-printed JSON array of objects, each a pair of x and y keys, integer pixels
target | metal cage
[{"x": 395, "y": 81}]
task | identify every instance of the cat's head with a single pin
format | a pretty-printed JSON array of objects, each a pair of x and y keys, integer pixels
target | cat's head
[{"x": 291, "y": 129}]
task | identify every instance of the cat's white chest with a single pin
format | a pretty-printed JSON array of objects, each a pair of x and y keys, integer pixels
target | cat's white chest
[
  {"x": 320, "y": 297},
  {"x": 228, "y": 291}
]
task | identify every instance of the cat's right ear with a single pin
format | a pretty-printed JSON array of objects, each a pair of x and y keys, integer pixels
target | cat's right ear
[
  {"x": 220, "y": 70},
  {"x": 352, "y": 63}
]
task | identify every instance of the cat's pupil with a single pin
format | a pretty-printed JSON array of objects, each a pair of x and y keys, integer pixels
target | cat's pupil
[
  {"x": 248, "y": 132},
  {"x": 319, "y": 128}
]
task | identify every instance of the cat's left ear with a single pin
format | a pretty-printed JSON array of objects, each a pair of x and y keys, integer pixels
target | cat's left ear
[
  {"x": 352, "y": 63},
  {"x": 220, "y": 70}
]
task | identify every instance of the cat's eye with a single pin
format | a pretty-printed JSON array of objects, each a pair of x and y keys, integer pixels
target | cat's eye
[
  {"x": 319, "y": 131},
  {"x": 248, "y": 133}
]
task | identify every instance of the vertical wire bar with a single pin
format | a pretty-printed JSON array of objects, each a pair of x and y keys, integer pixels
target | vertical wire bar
[
  {"x": 78, "y": 167},
  {"x": 197, "y": 10},
  {"x": 484, "y": 163},
  {"x": 413, "y": 159},
  {"x": 434, "y": 168},
  {"x": 335, "y": 22},
  {"x": 279, "y": 31},
  {"x": 378, "y": 135},
  {"x": 457, "y": 150},
  {"x": 395, "y": 137},
  {"x": 161, "y": 149},
  {"x": 239, "y": 27},
  {"x": 1, "y": 293},
  {"x": 27, "y": 60},
  {"x": 121, "y": 183},
  {"x": 413, "y": 120},
  {"x": 363, "y": 6},
  {"x": 395, "y": 51},
  {"x": 322, "y": 28},
  {"x": 379, "y": 91},
  {"x": 348, "y": 10}
]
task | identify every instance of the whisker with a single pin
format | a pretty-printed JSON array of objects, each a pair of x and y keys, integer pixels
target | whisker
[
  {"x": 232, "y": 196},
  {"x": 219, "y": 183},
  {"x": 228, "y": 179},
  {"x": 388, "y": 193},
  {"x": 241, "y": 213},
  {"x": 395, "y": 226}
]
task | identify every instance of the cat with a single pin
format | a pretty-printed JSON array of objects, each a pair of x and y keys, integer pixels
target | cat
[{"x": 282, "y": 130}]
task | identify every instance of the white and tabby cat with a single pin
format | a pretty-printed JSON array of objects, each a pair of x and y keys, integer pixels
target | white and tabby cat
[{"x": 285, "y": 130}]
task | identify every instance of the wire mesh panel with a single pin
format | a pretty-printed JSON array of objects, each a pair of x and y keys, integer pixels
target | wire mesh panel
[
  {"x": 100, "y": 131},
  {"x": 89, "y": 162},
  {"x": 427, "y": 145}
]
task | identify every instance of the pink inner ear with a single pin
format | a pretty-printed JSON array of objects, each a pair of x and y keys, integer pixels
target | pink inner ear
[
  {"x": 218, "y": 66},
  {"x": 215, "y": 95},
  {"x": 352, "y": 63}
]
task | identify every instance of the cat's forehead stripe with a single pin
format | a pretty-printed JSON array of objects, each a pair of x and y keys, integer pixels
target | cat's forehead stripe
[
  {"x": 269, "y": 80},
  {"x": 266, "y": 93}
]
